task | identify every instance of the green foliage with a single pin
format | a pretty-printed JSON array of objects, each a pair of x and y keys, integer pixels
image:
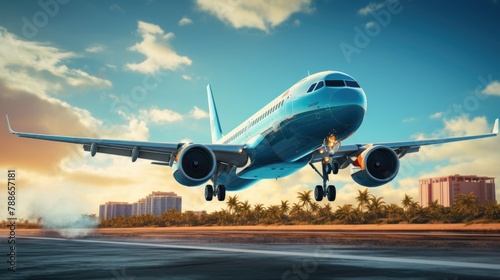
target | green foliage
[{"x": 370, "y": 209}]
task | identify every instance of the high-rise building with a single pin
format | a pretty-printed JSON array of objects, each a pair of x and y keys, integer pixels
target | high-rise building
[
  {"x": 159, "y": 202},
  {"x": 102, "y": 208},
  {"x": 156, "y": 203},
  {"x": 142, "y": 206},
  {"x": 139, "y": 207},
  {"x": 115, "y": 209},
  {"x": 444, "y": 189}
]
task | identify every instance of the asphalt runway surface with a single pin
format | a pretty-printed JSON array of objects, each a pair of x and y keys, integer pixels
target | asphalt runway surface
[{"x": 132, "y": 258}]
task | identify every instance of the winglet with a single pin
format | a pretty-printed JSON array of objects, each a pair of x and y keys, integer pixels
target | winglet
[
  {"x": 495, "y": 127},
  {"x": 8, "y": 124},
  {"x": 214, "y": 117}
]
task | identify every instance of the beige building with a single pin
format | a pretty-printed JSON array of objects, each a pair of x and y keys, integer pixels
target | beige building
[
  {"x": 156, "y": 203},
  {"x": 444, "y": 189},
  {"x": 113, "y": 209}
]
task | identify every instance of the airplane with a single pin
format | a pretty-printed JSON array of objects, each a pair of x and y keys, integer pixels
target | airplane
[{"x": 305, "y": 124}]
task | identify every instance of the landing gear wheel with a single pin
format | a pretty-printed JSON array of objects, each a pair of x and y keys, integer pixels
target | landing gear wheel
[
  {"x": 318, "y": 193},
  {"x": 221, "y": 193},
  {"x": 335, "y": 168},
  {"x": 328, "y": 168},
  {"x": 331, "y": 193},
  {"x": 209, "y": 192}
]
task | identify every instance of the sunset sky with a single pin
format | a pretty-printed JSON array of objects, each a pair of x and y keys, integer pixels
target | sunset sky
[{"x": 138, "y": 70}]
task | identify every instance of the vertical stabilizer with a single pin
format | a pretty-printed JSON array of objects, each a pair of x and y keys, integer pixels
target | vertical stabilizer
[{"x": 214, "y": 117}]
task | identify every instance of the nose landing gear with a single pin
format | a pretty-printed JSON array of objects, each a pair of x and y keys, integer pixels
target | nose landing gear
[{"x": 323, "y": 190}]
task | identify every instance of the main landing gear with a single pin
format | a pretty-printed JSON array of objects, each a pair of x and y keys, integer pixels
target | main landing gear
[
  {"x": 220, "y": 192},
  {"x": 329, "y": 191}
]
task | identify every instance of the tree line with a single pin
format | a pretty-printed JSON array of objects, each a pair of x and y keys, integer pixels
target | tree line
[{"x": 369, "y": 209}]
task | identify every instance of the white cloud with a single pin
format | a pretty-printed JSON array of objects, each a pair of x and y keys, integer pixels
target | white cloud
[
  {"x": 187, "y": 77},
  {"x": 198, "y": 113},
  {"x": 296, "y": 22},
  {"x": 436, "y": 115},
  {"x": 372, "y": 7},
  {"x": 408, "y": 120},
  {"x": 116, "y": 7},
  {"x": 185, "y": 21},
  {"x": 156, "y": 47},
  {"x": 259, "y": 14},
  {"x": 95, "y": 48},
  {"x": 39, "y": 68},
  {"x": 493, "y": 88},
  {"x": 158, "y": 116},
  {"x": 111, "y": 66}
]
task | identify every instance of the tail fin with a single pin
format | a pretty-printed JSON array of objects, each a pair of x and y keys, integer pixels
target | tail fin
[{"x": 214, "y": 117}]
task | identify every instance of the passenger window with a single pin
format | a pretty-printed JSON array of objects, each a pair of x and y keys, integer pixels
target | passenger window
[
  {"x": 311, "y": 87},
  {"x": 320, "y": 85}
]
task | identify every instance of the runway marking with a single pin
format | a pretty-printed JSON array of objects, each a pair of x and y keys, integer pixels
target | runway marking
[{"x": 316, "y": 254}]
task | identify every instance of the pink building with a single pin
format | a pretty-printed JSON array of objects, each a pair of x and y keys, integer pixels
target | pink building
[{"x": 444, "y": 189}]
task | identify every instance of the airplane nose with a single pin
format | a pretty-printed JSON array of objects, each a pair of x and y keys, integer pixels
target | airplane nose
[{"x": 348, "y": 106}]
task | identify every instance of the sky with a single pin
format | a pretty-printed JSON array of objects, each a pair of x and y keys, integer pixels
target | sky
[{"x": 138, "y": 70}]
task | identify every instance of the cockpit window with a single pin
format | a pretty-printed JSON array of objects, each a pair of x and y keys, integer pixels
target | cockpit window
[
  {"x": 320, "y": 85},
  {"x": 334, "y": 83},
  {"x": 311, "y": 87},
  {"x": 351, "y": 83}
]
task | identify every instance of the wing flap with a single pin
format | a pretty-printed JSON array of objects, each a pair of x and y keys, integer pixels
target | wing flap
[{"x": 128, "y": 151}]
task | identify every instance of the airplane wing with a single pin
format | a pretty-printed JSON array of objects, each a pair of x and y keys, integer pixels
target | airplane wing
[
  {"x": 160, "y": 153},
  {"x": 401, "y": 148}
]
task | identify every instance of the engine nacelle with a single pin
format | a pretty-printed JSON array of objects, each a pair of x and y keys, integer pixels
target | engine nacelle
[
  {"x": 194, "y": 165},
  {"x": 375, "y": 166}
]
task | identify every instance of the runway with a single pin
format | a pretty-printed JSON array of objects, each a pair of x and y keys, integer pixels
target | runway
[{"x": 109, "y": 258}]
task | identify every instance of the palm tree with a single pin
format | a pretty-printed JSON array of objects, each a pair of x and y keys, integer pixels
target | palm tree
[
  {"x": 258, "y": 209},
  {"x": 376, "y": 207},
  {"x": 273, "y": 214},
  {"x": 325, "y": 214},
  {"x": 406, "y": 202},
  {"x": 285, "y": 207},
  {"x": 409, "y": 207},
  {"x": 245, "y": 206},
  {"x": 346, "y": 214},
  {"x": 232, "y": 204},
  {"x": 435, "y": 211},
  {"x": 394, "y": 213},
  {"x": 296, "y": 212},
  {"x": 245, "y": 209},
  {"x": 465, "y": 206},
  {"x": 305, "y": 199},
  {"x": 363, "y": 199},
  {"x": 492, "y": 210}
]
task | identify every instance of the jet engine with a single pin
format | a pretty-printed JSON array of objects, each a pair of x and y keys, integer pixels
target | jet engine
[
  {"x": 376, "y": 166},
  {"x": 194, "y": 165}
]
